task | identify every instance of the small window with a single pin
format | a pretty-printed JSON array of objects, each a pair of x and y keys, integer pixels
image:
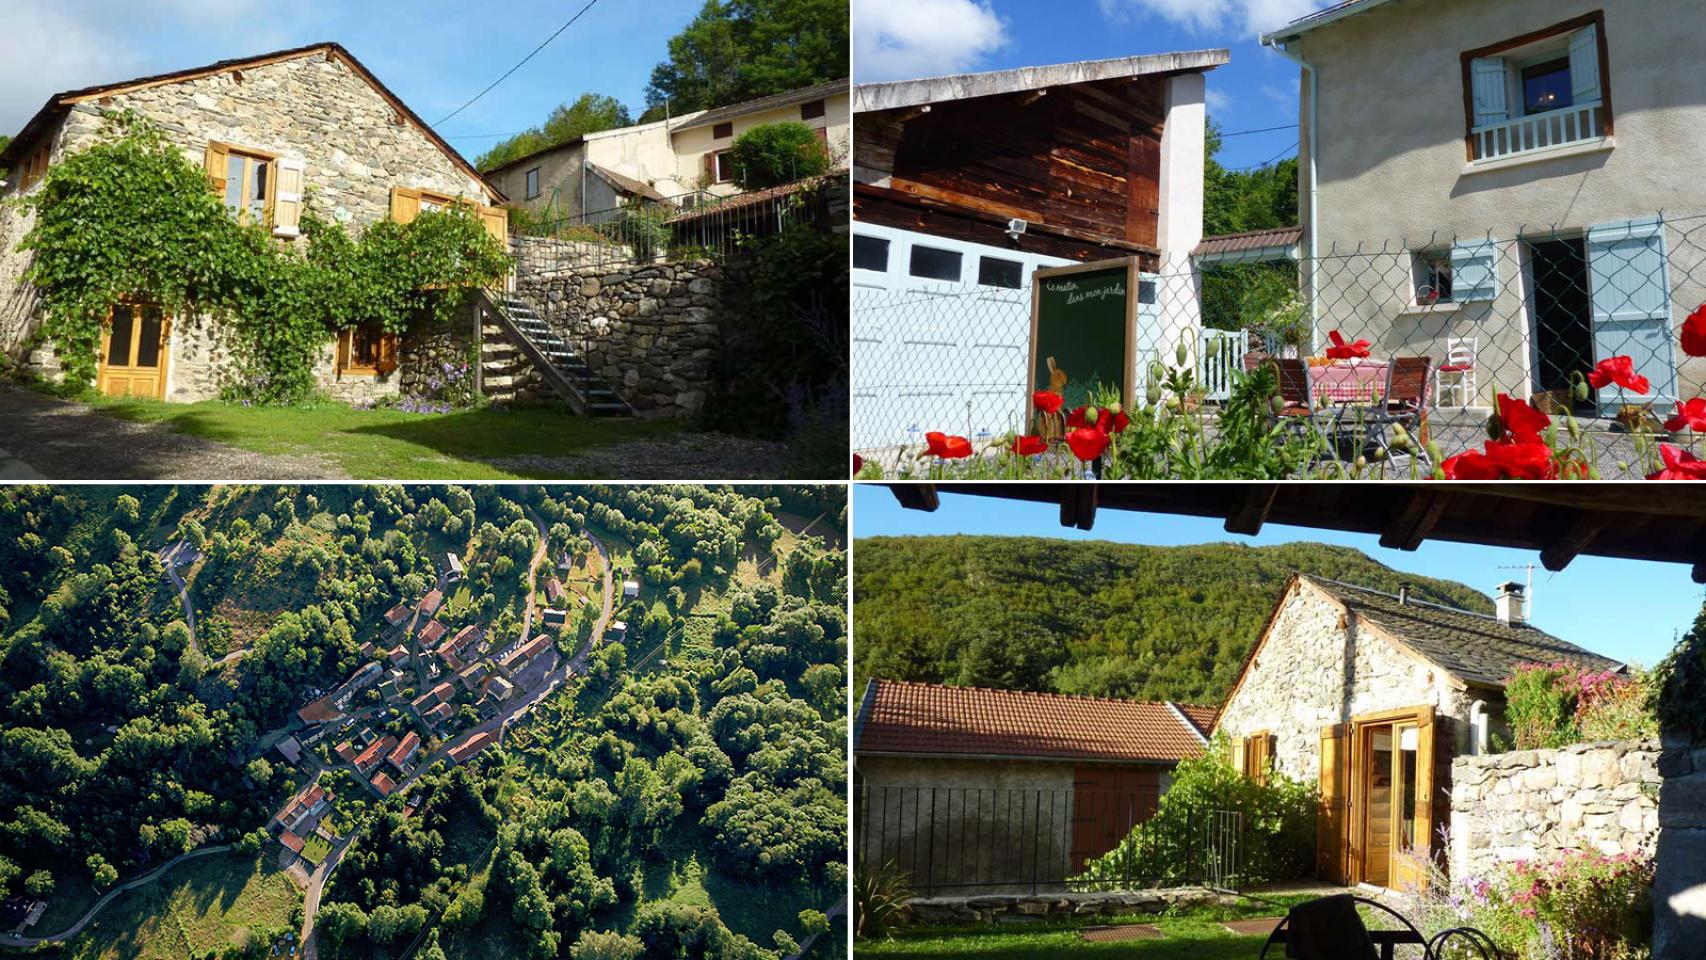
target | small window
[
  {"x": 247, "y": 187},
  {"x": 870, "y": 253},
  {"x": 1146, "y": 291},
  {"x": 811, "y": 110},
  {"x": 1546, "y": 86},
  {"x": 1433, "y": 277},
  {"x": 723, "y": 131},
  {"x": 725, "y": 167},
  {"x": 34, "y": 166},
  {"x": 934, "y": 264},
  {"x": 366, "y": 350},
  {"x": 533, "y": 183},
  {"x": 996, "y": 272}
]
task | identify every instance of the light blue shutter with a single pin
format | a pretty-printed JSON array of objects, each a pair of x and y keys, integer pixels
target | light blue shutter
[
  {"x": 1584, "y": 65},
  {"x": 1488, "y": 76},
  {"x": 1628, "y": 275},
  {"x": 1474, "y": 270}
]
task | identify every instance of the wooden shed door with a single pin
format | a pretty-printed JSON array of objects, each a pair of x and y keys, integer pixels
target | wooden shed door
[
  {"x": 1412, "y": 800},
  {"x": 1106, "y": 803},
  {"x": 133, "y": 351},
  {"x": 1331, "y": 835}
]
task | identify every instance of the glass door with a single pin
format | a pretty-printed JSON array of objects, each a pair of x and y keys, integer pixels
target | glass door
[{"x": 133, "y": 350}]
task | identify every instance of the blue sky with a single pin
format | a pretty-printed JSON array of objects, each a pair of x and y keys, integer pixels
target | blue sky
[
  {"x": 902, "y": 39},
  {"x": 1626, "y": 609},
  {"x": 434, "y": 54}
]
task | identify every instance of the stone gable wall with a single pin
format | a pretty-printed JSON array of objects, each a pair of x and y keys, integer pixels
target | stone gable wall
[
  {"x": 1322, "y": 667},
  {"x": 1537, "y": 804}
]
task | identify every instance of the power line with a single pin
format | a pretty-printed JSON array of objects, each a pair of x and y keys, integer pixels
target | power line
[
  {"x": 1240, "y": 133},
  {"x": 1268, "y": 161},
  {"x": 518, "y": 66}
]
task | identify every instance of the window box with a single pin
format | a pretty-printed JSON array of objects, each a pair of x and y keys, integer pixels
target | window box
[{"x": 1539, "y": 92}]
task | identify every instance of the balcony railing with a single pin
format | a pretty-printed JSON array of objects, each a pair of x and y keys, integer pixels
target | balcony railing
[{"x": 1540, "y": 131}]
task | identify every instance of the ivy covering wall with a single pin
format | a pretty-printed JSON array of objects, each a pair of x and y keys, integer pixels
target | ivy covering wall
[{"x": 131, "y": 216}]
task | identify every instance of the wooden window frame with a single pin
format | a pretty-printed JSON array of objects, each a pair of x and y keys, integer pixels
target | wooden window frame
[
  {"x": 250, "y": 156},
  {"x": 384, "y": 362},
  {"x": 723, "y": 131},
  {"x": 1258, "y": 755},
  {"x": 34, "y": 166},
  {"x": 812, "y": 109},
  {"x": 1594, "y": 19}
]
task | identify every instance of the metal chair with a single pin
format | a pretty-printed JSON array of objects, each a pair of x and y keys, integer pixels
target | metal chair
[
  {"x": 1336, "y": 919},
  {"x": 1406, "y": 403},
  {"x": 1459, "y": 365}
]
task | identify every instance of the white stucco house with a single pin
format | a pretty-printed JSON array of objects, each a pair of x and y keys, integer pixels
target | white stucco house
[{"x": 1516, "y": 178}]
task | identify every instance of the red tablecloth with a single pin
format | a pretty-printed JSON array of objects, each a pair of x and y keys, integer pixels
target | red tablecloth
[{"x": 1348, "y": 381}]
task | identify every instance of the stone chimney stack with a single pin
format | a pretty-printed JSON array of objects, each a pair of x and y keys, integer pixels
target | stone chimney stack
[
  {"x": 1512, "y": 603},
  {"x": 1403, "y": 594}
]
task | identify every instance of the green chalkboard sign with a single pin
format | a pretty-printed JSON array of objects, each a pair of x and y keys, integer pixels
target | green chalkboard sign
[{"x": 1084, "y": 317}]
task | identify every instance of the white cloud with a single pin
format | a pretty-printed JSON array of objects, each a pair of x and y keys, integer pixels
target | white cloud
[
  {"x": 1218, "y": 100},
  {"x": 47, "y": 50},
  {"x": 1248, "y": 17},
  {"x": 906, "y": 39}
]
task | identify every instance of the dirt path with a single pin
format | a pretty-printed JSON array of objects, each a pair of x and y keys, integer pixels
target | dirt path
[
  {"x": 13, "y": 940},
  {"x": 58, "y": 439}
]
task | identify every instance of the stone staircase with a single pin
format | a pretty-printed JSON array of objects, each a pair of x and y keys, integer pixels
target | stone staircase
[{"x": 518, "y": 346}]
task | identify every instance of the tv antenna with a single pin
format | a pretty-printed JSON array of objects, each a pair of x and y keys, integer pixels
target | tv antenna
[{"x": 1528, "y": 592}]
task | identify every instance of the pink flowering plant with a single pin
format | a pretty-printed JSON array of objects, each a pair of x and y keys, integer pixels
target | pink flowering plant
[
  {"x": 1580, "y": 905},
  {"x": 1557, "y": 704}
]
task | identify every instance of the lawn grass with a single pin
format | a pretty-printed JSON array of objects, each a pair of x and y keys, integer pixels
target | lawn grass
[
  {"x": 206, "y": 903},
  {"x": 1191, "y": 934},
  {"x": 755, "y": 910},
  {"x": 315, "y": 848},
  {"x": 389, "y": 444}
]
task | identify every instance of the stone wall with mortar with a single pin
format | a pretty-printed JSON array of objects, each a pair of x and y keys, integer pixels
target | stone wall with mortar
[
  {"x": 427, "y": 347},
  {"x": 1537, "y": 804},
  {"x": 1679, "y": 889},
  {"x": 649, "y": 330},
  {"x": 355, "y": 147}
]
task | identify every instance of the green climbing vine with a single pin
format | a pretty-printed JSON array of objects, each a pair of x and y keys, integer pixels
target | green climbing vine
[{"x": 130, "y": 216}]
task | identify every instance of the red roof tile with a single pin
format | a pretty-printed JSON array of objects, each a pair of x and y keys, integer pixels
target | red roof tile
[
  {"x": 933, "y": 720},
  {"x": 397, "y": 614},
  {"x": 1249, "y": 240},
  {"x": 291, "y": 840},
  {"x": 430, "y": 602},
  {"x": 383, "y": 783},
  {"x": 1200, "y": 715},
  {"x": 410, "y": 743},
  {"x": 431, "y": 632},
  {"x": 371, "y": 755},
  {"x": 475, "y": 744}
]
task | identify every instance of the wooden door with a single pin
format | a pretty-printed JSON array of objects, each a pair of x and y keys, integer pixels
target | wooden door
[
  {"x": 1330, "y": 824},
  {"x": 1378, "y": 805},
  {"x": 133, "y": 351},
  {"x": 1412, "y": 813},
  {"x": 1107, "y": 802}
]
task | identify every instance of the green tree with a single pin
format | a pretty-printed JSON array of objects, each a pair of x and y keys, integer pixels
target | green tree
[
  {"x": 776, "y": 153},
  {"x": 602, "y": 945},
  {"x": 737, "y": 50},
  {"x": 39, "y": 884},
  {"x": 101, "y": 872},
  {"x": 590, "y": 113},
  {"x": 1256, "y": 295},
  {"x": 128, "y": 508}
]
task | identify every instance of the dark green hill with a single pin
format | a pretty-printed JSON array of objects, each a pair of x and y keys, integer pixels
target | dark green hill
[{"x": 1097, "y": 618}]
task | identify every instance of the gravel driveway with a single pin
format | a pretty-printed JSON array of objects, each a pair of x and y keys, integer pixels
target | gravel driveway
[{"x": 46, "y": 438}]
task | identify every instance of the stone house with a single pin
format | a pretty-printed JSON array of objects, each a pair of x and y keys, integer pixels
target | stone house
[
  {"x": 975, "y": 789},
  {"x": 1373, "y": 695},
  {"x": 1539, "y": 176},
  {"x": 274, "y": 132},
  {"x": 590, "y": 177}
]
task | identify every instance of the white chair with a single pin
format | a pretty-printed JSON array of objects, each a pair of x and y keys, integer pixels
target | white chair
[{"x": 1459, "y": 367}]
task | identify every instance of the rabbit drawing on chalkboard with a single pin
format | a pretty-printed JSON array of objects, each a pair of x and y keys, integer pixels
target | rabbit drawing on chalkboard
[{"x": 1051, "y": 425}]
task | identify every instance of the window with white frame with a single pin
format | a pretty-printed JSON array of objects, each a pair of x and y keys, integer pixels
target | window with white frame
[
  {"x": 1537, "y": 92},
  {"x": 1432, "y": 278}
]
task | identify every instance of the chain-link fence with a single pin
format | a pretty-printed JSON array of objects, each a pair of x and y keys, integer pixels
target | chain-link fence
[
  {"x": 1531, "y": 315},
  {"x": 696, "y": 225}
]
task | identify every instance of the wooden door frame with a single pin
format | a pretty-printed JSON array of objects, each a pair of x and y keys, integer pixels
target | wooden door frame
[
  {"x": 1357, "y": 734},
  {"x": 106, "y": 343}
]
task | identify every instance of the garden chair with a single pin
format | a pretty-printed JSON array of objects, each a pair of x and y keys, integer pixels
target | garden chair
[
  {"x": 1297, "y": 397},
  {"x": 1406, "y": 404},
  {"x": 1331, "y": 928},
  {"x": 1456, "y": 376}
]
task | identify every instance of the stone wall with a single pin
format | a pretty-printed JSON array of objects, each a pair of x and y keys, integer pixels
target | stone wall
[
  {"x": 1679, "y": 890},
  {"x": 650, "y": 331},
  {"x": 1321, "y": 666},
  {"x": 428, "y": 347},
  {"x": 1538, "y": 804}
]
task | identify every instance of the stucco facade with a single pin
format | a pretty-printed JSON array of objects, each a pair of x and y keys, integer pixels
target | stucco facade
[
  {"x": 692, "y": 138},
  {"x": 1394, "y": 176},
  {"x": 354, "y": 144}
]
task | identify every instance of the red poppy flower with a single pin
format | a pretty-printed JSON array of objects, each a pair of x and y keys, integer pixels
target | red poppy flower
[
  {"x": 1087, "y": 443},
  {"x": 947, "y": 447},
  {"x": 1470, "y": 465},
  {"x": 1076, "y": 418},
  {"x": 1340, "y": 350},
  {"x": 1679, "y": 464},
  {"x": 1690, "y": 415},
  {"x": 1618, "y": 370},
  {"x": 1047, "y": 400},
  {"x": 1523, "y": 459},
  {"x": 1029, "y": 446},
  {"x": 1521, "y": 420},
  {"x": 858, "y": 463},
  {"x": 1694, "y": 333},
  {"x": 1121, "y": 421}
]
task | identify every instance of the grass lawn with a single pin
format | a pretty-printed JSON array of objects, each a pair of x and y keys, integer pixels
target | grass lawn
[
  {"x": 201, "y": 904},
  {"x": 1194, "y": 934},
  {"x": 756, "y": 910},
  {"x": 389, "y": 444},
  {"x": 315, "y": 848}
]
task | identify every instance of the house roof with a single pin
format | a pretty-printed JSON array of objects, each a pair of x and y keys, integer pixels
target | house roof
[
  {"x": 431, "y": 632},
  {"x": 927, "y": 719},
  {"x": 430, "y": 602},
  {"x": 383, "y": 783},
  {"x": 397, "y": 614},
  {"x": 1249, "y": 244},
  {"x": 965, "y": 86},
  {"x": 1201, "y": 716},
  {"x": 1320, "y": 18},
  {"x": 405, "y": 747},
  {"x": 752, "y": 199},
  {"x": 60, "y": 104},
  {"x": 1475, "y": 648},
  {"x": 377, "y": 749},
  {"x": 816, "y": 91},
  {"x": 291, "y": 840},
  {"x": 627, "y": 184},
  {"x": 475, "y": 744}
]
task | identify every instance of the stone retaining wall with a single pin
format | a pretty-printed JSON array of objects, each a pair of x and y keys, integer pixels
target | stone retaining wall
[
  {"x": 650, "y": 331},
  {"x": 1026, "y": 907},
  {"x": 1679, "y": 890},
  {"x": 1538, "y": 804}
]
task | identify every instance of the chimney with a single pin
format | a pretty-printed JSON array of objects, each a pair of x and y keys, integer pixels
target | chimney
[
  {"x": 1512, "y": 604},
  {"x": 1403, "y": 594}
]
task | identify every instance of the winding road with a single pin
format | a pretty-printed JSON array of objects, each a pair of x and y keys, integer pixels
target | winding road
[{"x": 13, "y": 940}]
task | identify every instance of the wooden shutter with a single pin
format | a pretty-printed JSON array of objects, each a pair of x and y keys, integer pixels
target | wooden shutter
[
  {"x": 1238, "y": 765},
  {"x": 1629, "y": 287},
  {"x": 1331, "y": 822},
  {"x": 405, "y": 204},
  {"x": 1487, "y": 76},
  {"x": 1475, "y": 270},
  {"x": 288, "y": 184},
  {"x": 496, "y": 221},
  {"x": 711, "y": 167},
  {"x": 387, "y": 353},
  {"x": 217, "y": 159},
  {"x": 344, "y": 338},
  {"x": 1584, "y": 65}
]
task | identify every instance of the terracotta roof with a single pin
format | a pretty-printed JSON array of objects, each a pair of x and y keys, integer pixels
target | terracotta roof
[
  {"x": 475, "y": 744},
  {"x": 439, "y": 713},
  {"x": 409, "y": 744},
  {"x": 431, "y": 632},
  {"x": 291, "y": 840},
  {"x": 817, "y": 91},
  {"x": 1200, "y": 715},
  {"x": 1474, "y": 647},
  {"x": 430, "y": 602},
  {"x": 383, "y": 783},
  {"x": 1248, "y": 241},
  {"x": 933, "y": 720},
  {"x": 397, "y": 614},
  {"x": 371, "y": 755},
  {"x": 348, "y": 751},
  {"x": 743, "y": 201}
]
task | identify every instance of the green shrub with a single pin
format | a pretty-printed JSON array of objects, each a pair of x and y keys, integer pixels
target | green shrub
[
  {"x": 879, "y": 899},
  {"x": 1557, "y": 704},
  {"x": 1582, "y": 906},
  {"x": 777, "y": 153},
  {"x": 1278, "y": 827},
  {"x": 1677, "y": 689},
  {"x": 642, "y": 226}
]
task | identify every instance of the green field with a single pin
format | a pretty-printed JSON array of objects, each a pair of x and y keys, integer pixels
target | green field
[
  {"x": 755, "y": 910},
  {"x": 315, "y": 848},
  {"x": 206, "y": 903}
]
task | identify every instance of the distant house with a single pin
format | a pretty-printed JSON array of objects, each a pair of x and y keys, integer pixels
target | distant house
[
  {"x": 375, "y": 753},
  {"x": 630, "y": 589},
  {"x": 430, "y": 634},
  {"x": 405, "y": 750},
  {"x": 500, "y": 688},
  {"x": 453, "y": 650},
  {"x": 299, "y": 813},
  {"x": 1096, "y": 767},
  {"x": 397, "y": 614},
  {"x": 525, "y": 653},
  {"x": 437, "y": 715},
  {"x": 554, "y": 617},
  {"x": 430, "y": 603},
  {"x": 452, "y": 568},
  {"x": 291, "y": 841},
  {"x": 553, "y": 590},
  {"x": 1372, "y": 695},
  {"x": 347, "y": 751},
  {"x": 471, "y": 675},
  {"x": 397, "y": 655},
  {"x": 565, "y": 562},
  {"x": 467, "y": 751},
  {"x": 383, "y": 783},
  {"x": 618, "y": 631},
  {"x": 291, "y": 750}
]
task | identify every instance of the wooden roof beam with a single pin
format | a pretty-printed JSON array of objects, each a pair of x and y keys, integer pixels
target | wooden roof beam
[
  {"x": 1415, "y": 520},
  {"x": 1078, "y": 505},
  {"x": 1572, "y": 540},
  {"x": 1030, "y": 96},
  {"x": 1250, "y": 508},
  {"x": 917, "y": 496}
]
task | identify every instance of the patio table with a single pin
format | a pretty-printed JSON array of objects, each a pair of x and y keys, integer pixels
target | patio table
[{"x": 1348, "y": 381}]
